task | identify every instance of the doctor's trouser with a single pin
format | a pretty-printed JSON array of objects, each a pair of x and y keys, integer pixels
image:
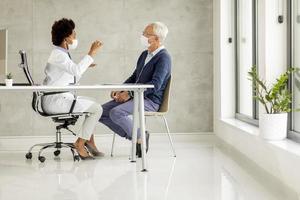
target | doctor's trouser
[
  {"x": 90, "y": 121},
  {"x": 61, "y": 103}
]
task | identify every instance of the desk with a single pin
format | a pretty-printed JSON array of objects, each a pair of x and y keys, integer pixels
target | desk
[{"x": 138, "y": 111}]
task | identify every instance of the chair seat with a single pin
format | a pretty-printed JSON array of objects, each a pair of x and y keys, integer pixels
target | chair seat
[
  {"x": 69, "y": 121},
  {"x": 69, "y": 118},
  {"x": 66, "y": 115}
]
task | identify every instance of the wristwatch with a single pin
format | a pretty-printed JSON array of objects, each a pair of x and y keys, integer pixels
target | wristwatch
[{"x": 130, "y": 93}]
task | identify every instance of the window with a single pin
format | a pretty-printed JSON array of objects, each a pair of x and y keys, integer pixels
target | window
[
  {"x": 294, "y": 12},
  {"x": 245, "y": 14}
]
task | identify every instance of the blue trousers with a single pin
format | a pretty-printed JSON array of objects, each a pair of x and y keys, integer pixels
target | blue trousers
[{"x": 116, "y": 116}]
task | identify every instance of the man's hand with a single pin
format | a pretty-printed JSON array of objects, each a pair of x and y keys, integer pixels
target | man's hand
[
  {"x": 122, "y": 97},
  {"x": 114, "y": 94}
]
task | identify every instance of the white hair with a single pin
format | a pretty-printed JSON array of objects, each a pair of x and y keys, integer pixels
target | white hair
[{"x": 161, "y": 30}]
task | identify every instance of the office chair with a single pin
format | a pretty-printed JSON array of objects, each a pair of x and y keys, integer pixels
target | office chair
[
  {"x": 163, "y": 110},
  {"x": 64, "y": 120}
]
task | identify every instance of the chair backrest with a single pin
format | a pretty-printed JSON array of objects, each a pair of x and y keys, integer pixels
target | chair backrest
[
  {"x": 164, "y": 107},
  {"x": 36, "y": 96},
  {"x": 24, "y": 66}
]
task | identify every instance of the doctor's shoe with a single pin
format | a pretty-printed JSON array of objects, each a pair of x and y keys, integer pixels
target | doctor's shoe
[
  {"x": 86, "y": 157},
  {"x": 93, "y": 150},
  {"x": 83, "y": 157}
]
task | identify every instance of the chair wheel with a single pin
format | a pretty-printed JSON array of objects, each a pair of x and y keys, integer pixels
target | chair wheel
[
  {"x": 42, "y": 159},
  {"x": 76, "y": 158},
  {"x": 28, "y": 155},
  {"x": 56, "y": 153}
]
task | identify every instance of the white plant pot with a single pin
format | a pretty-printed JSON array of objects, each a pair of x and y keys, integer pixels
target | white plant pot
[
  {"x": 9, "y": 82},
  {"x": 273, "y": 126}
]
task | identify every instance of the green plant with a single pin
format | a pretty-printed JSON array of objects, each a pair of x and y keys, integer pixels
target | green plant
[
  {"x": 276, "y": 99},
  {"x": 9, "y": 76}
]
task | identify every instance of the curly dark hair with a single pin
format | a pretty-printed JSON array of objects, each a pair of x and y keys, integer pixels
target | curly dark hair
[{"x": 61, "y": 29}]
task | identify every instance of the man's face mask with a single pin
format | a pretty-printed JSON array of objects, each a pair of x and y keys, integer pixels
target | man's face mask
[{"x": 144, "y": 42}]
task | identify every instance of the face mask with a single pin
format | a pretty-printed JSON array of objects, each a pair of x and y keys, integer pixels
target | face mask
[
  {"x": 73, "y": 45},
  {"x": 144, "y": 42}
]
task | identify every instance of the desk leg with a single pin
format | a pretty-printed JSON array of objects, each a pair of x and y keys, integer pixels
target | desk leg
[
  {"x": 135, "y": 123},
  {"x": 142, "y": 128}
]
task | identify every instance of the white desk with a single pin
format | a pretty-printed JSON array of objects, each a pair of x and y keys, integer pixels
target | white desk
[{"x": 138, "y": 111}]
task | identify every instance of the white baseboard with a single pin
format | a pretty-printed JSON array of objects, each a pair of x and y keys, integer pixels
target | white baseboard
[{"x": 23, "y": 143}]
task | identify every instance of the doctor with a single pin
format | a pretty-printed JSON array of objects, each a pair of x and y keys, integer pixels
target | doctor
[{"x": 62, "y": 71}]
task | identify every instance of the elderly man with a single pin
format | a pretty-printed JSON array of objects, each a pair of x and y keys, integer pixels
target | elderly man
[{"x": 153, "y": 67}]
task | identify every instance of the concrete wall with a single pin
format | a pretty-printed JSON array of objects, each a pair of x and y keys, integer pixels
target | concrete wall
[{"x": 119, "y": 24}]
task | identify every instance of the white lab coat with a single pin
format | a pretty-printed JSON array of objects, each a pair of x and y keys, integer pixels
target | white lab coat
[{"x": 60, "y": 71}]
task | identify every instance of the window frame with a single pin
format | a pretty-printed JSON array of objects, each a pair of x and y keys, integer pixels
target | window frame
[
  {"x": 255, "y": 112},
  {"x": 292, "y": 134}
]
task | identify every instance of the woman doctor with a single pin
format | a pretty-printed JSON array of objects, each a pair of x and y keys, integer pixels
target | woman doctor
[{"x": 62, "y": 71}]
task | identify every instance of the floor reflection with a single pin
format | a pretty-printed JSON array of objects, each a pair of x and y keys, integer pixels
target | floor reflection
[
  {"x": 238, "y": 178},
  {"x": 204, "y": 169}
]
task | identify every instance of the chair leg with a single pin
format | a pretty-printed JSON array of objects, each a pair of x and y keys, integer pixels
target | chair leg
[
  {"x": 42, "y": 158},
  {"x": 41, "y": 144},
  {"x": 169, "y": 135},
  {"x": 58, "y": 145},
  {"x": 113, "y": 145}
]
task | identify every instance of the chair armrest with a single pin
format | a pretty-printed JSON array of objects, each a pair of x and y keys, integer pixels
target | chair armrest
[{"x": 73, "y": 104}]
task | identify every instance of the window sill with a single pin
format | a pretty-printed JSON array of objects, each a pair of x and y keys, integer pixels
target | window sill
[
  {"x": 245, "y": 127},
  {"x": 279, "y": 158},
  {"x": 286, "y": 144}
]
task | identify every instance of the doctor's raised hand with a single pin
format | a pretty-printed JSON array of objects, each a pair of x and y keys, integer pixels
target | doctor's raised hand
[{"x": 94, "y": 48}]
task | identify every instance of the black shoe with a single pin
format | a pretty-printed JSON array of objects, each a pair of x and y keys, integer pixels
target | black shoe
[
  {"x": 138, "y": 150},
  {"x": 139, "y": 146},
  {"x": 147, "y": 141}
]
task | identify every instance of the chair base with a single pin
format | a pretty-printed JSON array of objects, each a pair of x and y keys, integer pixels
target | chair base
[{"x": 56, "y": 145}]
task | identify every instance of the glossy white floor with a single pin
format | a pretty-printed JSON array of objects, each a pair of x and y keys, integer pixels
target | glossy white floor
[{"x": 204, "y": 169}]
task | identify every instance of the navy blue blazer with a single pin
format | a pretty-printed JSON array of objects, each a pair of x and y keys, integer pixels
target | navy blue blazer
[{"x": 156, "y": 72}]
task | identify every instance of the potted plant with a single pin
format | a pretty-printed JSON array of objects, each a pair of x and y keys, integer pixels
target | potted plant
[
  {"x": 277, "y": 103},
  {"x": 9, "y": 80}
]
